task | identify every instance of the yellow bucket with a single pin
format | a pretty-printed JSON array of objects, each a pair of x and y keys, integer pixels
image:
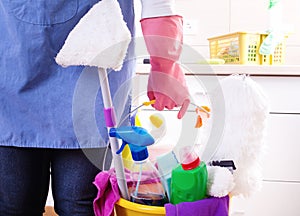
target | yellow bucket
[{"x": 126, "y": 208}]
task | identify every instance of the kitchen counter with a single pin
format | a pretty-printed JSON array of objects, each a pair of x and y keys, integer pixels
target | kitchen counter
[{"x": 255, "y": 70}]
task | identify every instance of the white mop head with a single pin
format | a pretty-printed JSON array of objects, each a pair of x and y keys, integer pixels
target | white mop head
[{"x": 100, "y": 39}]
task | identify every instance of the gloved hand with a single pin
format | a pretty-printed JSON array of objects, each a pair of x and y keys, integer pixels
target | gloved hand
[{"x": 163, "y": 36}]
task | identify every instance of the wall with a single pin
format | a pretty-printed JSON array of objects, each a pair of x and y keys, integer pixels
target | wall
[{"x": 218, "y": 17}]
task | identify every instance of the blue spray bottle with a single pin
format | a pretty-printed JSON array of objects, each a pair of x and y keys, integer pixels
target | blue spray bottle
[{"x": 146, "y": 187}]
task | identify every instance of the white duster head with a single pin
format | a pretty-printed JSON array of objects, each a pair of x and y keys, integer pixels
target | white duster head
[
  {"x": 100, "y": 39},
  {"x": 246, "y": 112}
]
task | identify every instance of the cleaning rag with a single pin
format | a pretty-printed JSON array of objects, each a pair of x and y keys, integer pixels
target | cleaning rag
[
  {"x": 108, "y": 193},
  {"x": 108, "y": 190},
  {"x": 206, "y": 207}
]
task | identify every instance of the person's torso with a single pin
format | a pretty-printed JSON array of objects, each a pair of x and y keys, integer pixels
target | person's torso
[{"x": 36, "y": 94}]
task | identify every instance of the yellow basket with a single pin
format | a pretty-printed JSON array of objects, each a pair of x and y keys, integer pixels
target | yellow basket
[
  {"x": 278, "y": 56},
  {"x": 243, "y": 48},
  {"x": 126, "y": 208}
]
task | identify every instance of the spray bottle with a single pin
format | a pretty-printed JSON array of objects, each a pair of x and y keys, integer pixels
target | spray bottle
[
  {"x": 146, "y": 187},
  {"x": 189, "y": 179}
]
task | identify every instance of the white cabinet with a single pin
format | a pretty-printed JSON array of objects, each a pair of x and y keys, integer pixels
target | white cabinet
[
  {"x": 283, "y": 92},
  {"x": 275, "y": 199},
  {"x": 281, "y": 164},
  {"x": 282, "y": 160}
]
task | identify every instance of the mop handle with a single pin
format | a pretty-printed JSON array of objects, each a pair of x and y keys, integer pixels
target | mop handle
[{"x": 110, "y": 121}]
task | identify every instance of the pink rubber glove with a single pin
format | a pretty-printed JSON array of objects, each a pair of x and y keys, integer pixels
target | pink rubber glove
[{"x": 166, "y": 84}]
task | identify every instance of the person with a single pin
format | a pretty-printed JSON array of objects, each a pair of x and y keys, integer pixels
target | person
[{"x": 37, "y": 138}]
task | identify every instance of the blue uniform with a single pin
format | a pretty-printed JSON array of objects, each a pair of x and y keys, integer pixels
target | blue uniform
[{"x": 36, "y": 94}]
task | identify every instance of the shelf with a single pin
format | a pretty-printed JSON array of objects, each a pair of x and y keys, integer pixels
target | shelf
[{"x": 255, "y": 70}]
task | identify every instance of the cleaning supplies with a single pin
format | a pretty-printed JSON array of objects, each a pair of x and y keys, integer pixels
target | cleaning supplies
[
  {"x": 189, "y": 179},
  {"x": 246, "y": 114},
  {"x": 146, "y": 190},
  {"x": 166, "y": 163},
  {"x": 158, "y": 126},
  {"x": 220, "y": 181},
  {"x": 146, "y": 187},
  {"x": 202, "y": 112}
]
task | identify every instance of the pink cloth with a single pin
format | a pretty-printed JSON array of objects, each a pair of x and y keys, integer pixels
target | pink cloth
[
  {"x": 108, "y": 190},
  {"x": 108, "y": 193},
  {"x": 166, "y": 84}
]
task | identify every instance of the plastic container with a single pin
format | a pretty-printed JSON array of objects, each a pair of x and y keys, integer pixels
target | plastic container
[
  {"x": 243, "y": 48},
  {"x": 126, "y": 208},
  {"x": 189, "y": 179}
]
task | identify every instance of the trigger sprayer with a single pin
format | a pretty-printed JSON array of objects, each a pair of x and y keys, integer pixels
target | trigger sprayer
[{"x": 146, "y": 187}]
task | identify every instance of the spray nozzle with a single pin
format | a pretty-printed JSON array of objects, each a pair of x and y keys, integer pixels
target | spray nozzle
[{"x": 136, "y": 137}]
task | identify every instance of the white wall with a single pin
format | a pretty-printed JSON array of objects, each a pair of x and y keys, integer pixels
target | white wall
[{"x": 218, "y": 17}]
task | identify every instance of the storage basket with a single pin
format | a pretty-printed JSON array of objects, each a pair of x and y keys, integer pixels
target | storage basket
[
  {"x": 278, "y": 56},
  {"x": 243, "y": 48}
]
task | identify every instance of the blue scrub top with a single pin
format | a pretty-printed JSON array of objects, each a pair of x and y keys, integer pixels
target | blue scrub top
[{"x": 37, "y": 96}]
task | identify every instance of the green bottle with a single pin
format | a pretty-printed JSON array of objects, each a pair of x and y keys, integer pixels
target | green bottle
[{"x": 189, "y": 179}]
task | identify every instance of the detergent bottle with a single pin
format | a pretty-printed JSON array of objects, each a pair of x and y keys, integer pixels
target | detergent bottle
[
  {"x": 145, "y": 186},
  {"x": 189, "y": 179}
]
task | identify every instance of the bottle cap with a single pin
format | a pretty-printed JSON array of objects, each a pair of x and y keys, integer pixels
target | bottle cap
[
  {"x": 138, "y": 153},
  {"x": 188, "y": 158}
]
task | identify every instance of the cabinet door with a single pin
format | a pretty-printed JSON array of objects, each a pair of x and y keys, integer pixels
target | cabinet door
[
  {"x": 274, "y": 199},
  {"x": 283, "y": 93},
  {"x": 282, "y": 158}
]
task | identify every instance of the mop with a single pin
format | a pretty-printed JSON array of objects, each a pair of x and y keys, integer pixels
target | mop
[{"x": 101, "y": 39}]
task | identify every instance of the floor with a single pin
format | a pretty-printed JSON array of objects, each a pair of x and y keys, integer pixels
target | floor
[{"x": 49, "y": 211}]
